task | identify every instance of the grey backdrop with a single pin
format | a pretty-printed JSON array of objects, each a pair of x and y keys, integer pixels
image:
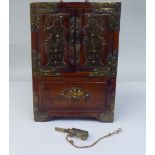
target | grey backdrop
[{"x": 131, "y": 64}]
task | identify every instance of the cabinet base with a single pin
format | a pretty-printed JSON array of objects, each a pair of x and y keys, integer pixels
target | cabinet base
[{"x": 103, "y": 117}]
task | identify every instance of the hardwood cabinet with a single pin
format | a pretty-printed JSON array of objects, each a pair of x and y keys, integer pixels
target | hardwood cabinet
[{"x": 74, "y": 59}]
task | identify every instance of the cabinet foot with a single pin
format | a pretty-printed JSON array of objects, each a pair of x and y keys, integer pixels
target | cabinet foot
[
  {"x": 41, "y": 117},
  {"x": 106, "y": 117}
]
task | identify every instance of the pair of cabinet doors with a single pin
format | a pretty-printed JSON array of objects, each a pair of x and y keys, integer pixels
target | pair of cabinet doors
[{"x": 74, "y": 40}]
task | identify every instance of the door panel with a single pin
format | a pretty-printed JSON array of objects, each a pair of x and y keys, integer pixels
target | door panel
[
  {"x": 95, "y": 41},
  {"x": 56, "y": 41}
]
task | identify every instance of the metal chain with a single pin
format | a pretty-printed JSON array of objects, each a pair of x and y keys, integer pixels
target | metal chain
[{"x": 91, "y": 145}]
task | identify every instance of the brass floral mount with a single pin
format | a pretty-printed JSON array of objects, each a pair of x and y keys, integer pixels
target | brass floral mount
[{"x": 74, "y": 94}]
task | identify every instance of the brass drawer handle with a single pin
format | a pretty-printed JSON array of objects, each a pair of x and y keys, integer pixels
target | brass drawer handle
[{"x": 74, "y": 94}]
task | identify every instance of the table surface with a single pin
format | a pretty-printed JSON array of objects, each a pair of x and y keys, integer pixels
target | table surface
[{"x": 28, "y": 137}]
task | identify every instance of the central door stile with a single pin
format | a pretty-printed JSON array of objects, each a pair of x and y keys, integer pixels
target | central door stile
[{"x": 77, "y": 37}]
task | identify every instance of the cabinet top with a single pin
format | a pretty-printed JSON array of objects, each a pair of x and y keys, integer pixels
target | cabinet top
[{"x": 79, "y": 4}]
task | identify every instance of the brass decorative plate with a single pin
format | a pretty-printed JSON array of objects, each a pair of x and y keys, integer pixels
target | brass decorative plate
[{"x": 74, "y": 94}]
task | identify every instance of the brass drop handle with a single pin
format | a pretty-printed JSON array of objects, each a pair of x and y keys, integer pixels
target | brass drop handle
[{"x": 74, "y": 94}]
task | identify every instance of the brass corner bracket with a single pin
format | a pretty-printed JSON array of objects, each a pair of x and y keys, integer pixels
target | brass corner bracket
[{"x": 38, "y": 116}]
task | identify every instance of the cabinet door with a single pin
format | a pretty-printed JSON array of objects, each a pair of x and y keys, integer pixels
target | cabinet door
[
  {"x": 52, "y": 39},
  {"x": 97, "y": 31}
]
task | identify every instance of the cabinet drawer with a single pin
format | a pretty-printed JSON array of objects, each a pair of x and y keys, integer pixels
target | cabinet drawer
[{"x": 73, "y": 94}]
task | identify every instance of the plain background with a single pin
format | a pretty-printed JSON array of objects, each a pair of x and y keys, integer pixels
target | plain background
[{"x": 28, "y": 137}]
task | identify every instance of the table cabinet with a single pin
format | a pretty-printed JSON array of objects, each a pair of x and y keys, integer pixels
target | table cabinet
[{"x": 74, "y": 59}]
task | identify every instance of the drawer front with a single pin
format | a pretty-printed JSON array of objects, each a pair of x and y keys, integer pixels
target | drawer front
[{"x": 73, "y": 94}]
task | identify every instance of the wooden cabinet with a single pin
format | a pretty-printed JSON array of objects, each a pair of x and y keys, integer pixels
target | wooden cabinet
[{"x": 74, "y": 59}]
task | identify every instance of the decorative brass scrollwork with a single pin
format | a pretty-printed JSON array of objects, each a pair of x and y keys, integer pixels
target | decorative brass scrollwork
[
  {"x": 74, "y": 94},
  {"x": 110, "y": 68},
  {"x": 55, "y": 41},
  {"x": 110, "y": 8},
  {"x": 94, "y": 40}
]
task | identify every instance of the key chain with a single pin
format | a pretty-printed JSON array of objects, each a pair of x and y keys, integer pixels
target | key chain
[{"x": 83, "y": 134}]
